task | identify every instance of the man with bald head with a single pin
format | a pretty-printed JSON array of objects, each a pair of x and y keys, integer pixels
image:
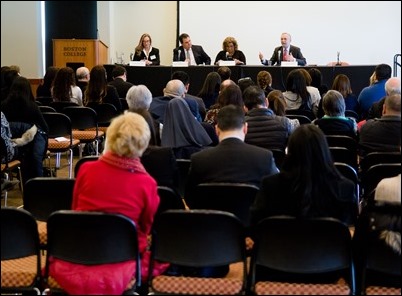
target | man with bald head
[
  {"x": 392, "y": 86},
  {"x": 285, "y": 52},
  {"x": 383, "y": 134},
  {"x": 174, "y": 89}
]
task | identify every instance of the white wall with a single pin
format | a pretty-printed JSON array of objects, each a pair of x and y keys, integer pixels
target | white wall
[{"x": 364, "y": 32}]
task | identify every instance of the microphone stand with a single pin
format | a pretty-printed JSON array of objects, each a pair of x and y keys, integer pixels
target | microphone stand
[{"x": 338, "y": 63}]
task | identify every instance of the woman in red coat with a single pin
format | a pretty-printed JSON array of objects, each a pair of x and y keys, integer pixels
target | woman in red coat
[{"x": 116, "y": 183}]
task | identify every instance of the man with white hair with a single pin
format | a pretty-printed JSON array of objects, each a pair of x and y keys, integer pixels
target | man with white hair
[
  {"x": 82, "y": 75},
  {"x": 392, "y": 86}
]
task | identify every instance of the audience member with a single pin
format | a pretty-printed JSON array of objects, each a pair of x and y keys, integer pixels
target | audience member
[
  {"x": 316, "y": 81},
  {"x": 182, "y": 131},
  {"x": 225, "y": 83},
  {"x": 44, "y": 89},
  {"x": 18, "y": 108},
  {"x": 392, "y": 86},
  {"x": 99, "y": 91},
  {"x": 373, "y": 93},
  {"x": 383, "y": 134},
  {"x": 265, "y": 129},
  {"x": 83, "y": 75},
  {"x": 128, "y": 190},
  {"x": 193, "y": 54},
  {"x": 277, "y": 103},
  {"x": 308, "y": 185},
  {"x": 210, "y": 89},
  {"x": 230, "y": 52},
  {"x": 245, "y": 82},
  {"x": 389, "y": 189},
  {"x": 342, "y": 84},
  {"x": 231, "y": 160},
  {"x": 199, "y": 112},
  {"x": 119, "y": 75},
  {"x": 285, "y": 52},
  {"x": 298, "y": 95},
  {"x": 16, "y": 68},
  {"x": 145, "y": 52},
  {"x": 264, "y": 81},
  {"x": 64, "y": 87},
  {"x": 224, "y": 72},
  {"x": 139, "y": 99},
  {"x": 8, "y": 76},
  {"x": 334, "y": 121},
  {"x": 230, "y": 94}
]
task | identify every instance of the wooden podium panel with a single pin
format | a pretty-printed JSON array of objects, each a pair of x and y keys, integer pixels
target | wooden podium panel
[{"x": 89, "y": 52}]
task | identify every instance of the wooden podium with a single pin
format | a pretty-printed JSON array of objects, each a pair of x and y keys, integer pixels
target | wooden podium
[{"x": 79, "y": 52}]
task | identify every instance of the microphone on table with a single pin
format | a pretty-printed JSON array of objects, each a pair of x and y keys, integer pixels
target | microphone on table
[
  {"x": 337, "y": 58},
  {"x": 228, "y": 57},
  {"x": 279, "y": 57}
]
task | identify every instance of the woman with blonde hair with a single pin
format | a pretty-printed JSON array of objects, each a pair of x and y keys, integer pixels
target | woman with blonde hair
[
  {"x": 145, "y": 52},
  {"x": 230, "y": 52},
  {"x": 115, "y": 183}
]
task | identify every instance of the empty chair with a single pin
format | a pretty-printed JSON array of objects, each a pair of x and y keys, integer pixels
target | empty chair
[
  {"x": 84, "y": 122},
  {"x": 378, "y": 261},
  {"x": 198, "y": 238},
  {"x": 375, "y": 174},
  {"x": 350, "y": 173},
  {"x": 302, "y": 118},
  {"x": 45, "y": 195},
  {"x": 83, "y": 160},
  {"x": 378, "y": 157},
  {"x": 45, "y": 108},
  {"x": 20, "y": 253},
  {"x": 235, "y": 198},
  {"x": 342, "y": 154},
  {"x": 105, "y": 113},
  {"x": 302, "y": 257},
  {"x": 59, "y": 106},
  {"x": 183, "y": 166},
  {"x": 169, "y": 200},
  {"x": 89, "y": 239},
  {"x": 60, "y": 137},
  {"x": 342, "y": 141}
]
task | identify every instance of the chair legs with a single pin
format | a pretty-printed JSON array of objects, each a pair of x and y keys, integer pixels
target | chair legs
[{"x": 8, "y": 178}]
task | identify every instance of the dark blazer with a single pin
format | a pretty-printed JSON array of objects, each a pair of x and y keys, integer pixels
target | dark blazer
[
  {"x": 152, "y": 57},
  {"x": 199, "y": 54},
  {"x": 278, "y": 55},
  {"x": 231, "y": 160},
  {"x": 238, "y": 54},
  {"x": 121, "y": 86}
]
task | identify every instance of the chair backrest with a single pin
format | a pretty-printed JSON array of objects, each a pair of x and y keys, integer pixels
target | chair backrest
[
  {"x": 124, "y": 104},
  {"x": 81, "y": 117},
  {"x": 19, "y": 239},
  {"x": 92, "y": 238},
  {"x": 59, "y": 125},
  {"x": 235, "y": 198},
  {"x": 374, "y": 256},
  {"x": 301, "y": 118},
  {"x": 183, "y": 166},
  {"x": 306, "y": 113},
  {"x": 105, "y": 113},
  {"x": 350, "y": 173},
  {"x": 299, "y": 247},
  {"x": 45, "y": 195},
  {"x": 342, "y": 154},
  {"x": 169, "y": 200},
  {"x": 378, "y": 157},
  {"x": 279, "y": 156},
  {"x": 45, "y": 108},
  {"x": 19, "y": 234},
  {"x": 370, "y": 179},
  {"x": 342, "y": 141},
  {"x": 59, "y": 106},
  {"x": 180, "y": 233},
  {"x": 352, "y": 114},
  {"x": 44, "y": 100},
  {"x": 83, "y": 160}
]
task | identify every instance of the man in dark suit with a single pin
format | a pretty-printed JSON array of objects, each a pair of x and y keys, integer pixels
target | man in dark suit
[
  {"x": 193, "y": 54},
  {"x": 285, "y": 52},
  {"x": 119, "y": 81},
  {"x": 231, "y": 160}
]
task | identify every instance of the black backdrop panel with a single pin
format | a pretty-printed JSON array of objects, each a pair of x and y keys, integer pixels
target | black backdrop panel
[{"x": 67, "y": 20}]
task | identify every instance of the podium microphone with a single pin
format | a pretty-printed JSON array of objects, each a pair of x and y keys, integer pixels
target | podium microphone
[
  {"x": 178, "y": 54},
  {"x": 279, "y": 57}
]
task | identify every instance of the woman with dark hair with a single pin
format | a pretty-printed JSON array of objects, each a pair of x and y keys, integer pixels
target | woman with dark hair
[
  {"x": 99, "y": 91},
  {"x": 210, "y": 89},
  {"x": 308, "y": 185},
  {"x": 44, "y": 89},
  {"x": 298, "y": 95},
  {"x": 20, "y": 109},
  {"x": 342, "y": 84},
  {"x": 64, "y": 88}
]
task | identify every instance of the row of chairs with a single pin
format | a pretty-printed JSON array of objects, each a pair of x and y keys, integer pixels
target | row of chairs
[{"x": 290, "y": 255}]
